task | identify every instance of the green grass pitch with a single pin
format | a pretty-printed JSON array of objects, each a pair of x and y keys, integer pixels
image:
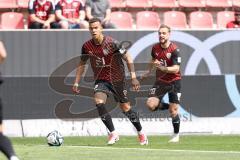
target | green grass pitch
[{"x": 95, "y": 148}]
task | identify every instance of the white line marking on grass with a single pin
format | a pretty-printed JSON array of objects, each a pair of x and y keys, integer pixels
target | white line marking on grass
[{"x": 154, "y": 149}]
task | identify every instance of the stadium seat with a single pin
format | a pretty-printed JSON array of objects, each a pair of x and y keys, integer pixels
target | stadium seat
[
  {"x": 12, "y": 20},
  {"x": 138, "y": 3},
  {"x": 223, "y": 17},
  {"x": 218, "y": 3},
  {"x": 200, "y": 19},
  {"x": 23, "y": 3},
  {"x": 8, "y": 4},
  {"x": 147, "y": 20},
  {"x": 165, "y": 3},
  {"x": 117, "y": 3},
  {"x": 175, "y": 19},
  {"x": 123, "y": 20},
  {"x": 192, "y": 3},
  {"x": 236, "y": 3}
]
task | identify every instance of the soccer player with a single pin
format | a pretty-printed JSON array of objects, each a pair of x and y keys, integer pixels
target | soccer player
[
  {"x": 71, "y": 14},
  {"x": 42, "y": 14},
  {"x": 5, "y": 144},
  {"x": 166, "y": 59},
  {"x": 106, "y": 57}
]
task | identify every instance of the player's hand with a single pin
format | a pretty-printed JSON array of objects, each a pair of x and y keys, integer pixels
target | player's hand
[
  {"x": 145, "y": 75},
  {"x": 135, "y": 84},
  {"x": 46, "y": 25},
  {"x": 75, "y": 88}
]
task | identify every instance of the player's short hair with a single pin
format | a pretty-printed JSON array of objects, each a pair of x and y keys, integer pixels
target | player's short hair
[
  {"x": 93, "y": 20},
  {"x": 165, "y": 26}
]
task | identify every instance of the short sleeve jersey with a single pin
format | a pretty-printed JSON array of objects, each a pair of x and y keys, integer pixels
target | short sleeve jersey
[
  {"x": 70, "y": 10},
  {"x": 168, "y": 57},
  {"x": 41, "y": 10},
  {"x": 105, "y": 59}
]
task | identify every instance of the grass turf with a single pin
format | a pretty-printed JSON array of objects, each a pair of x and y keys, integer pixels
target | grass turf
[{"x": 128, "y": 148}]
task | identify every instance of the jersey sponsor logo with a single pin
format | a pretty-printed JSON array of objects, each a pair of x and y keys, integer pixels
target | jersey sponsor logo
[{"x": 41, "y": 14}]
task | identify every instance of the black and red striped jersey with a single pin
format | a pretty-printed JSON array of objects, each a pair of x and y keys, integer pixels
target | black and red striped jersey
[
  {"x": 106, "y": 59},
  {"x": 167, "y": 56}
]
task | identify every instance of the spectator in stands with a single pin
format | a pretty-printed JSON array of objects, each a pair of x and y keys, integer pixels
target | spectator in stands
[
  {"x": 5, "y": 144},
  {"x": 236, "y": 22},
  {"x": 42, "y": 14},
  {"x": 71, "y": 14},
  {"x": 99, "y": 9}
]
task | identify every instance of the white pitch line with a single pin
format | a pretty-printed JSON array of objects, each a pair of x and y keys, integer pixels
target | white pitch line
[{"x": 155, "y": 149}]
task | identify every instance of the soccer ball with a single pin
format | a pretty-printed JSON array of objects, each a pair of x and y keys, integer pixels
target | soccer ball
[{"x": 55, "y": 138}]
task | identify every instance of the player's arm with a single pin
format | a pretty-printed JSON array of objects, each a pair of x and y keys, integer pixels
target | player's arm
[
  {"x": 135, "y": 83},
  {"x": 3, "y": 53},
  {"x": 176, "y": 63},
  {"x": 88, "y": 10},
  {"x": 80, "y": 71}
]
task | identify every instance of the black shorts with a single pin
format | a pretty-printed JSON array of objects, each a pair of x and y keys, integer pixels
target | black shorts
[
  {"x": 1, "y": 114},
  {"x": 118, "y": 90},
  {"x": 173, "y": 89}
]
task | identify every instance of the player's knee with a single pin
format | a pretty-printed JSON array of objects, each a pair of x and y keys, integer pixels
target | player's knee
[
  {"x": 152, "y": 103},
  {"x": 173, "y": 109},
  {"x": 125, "y": 107}
]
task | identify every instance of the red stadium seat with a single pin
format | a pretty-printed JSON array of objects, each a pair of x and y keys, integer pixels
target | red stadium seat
[
  {"x": 23, "y": 3},
  {"x": 223, "y": 17},
  {"x": 12, "y": 20},
  {"x": 117, "y": 3},
  {"x": 165, "y": 3},
  {"x": 200, "y": 19},
  {"x": 138, "y": 3},
  {"x": 218, "y": 3},
  {"x": 147, "y": 20},
  {"x": 192, "y": 3},
  {"x": 8, "y": 4},
  {"x": 236, "y": 3},
  {"x": 122, "y": 20},
  {"x": 175, "y": 19}
]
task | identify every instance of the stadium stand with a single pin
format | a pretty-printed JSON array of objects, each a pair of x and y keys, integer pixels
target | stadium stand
[
  {"x": 139, "y": 3},
  {"x": 192, "y": 3},
  {"x": 175, "y": 19},
  {"x": 22, "y": 3},
  {"x": 117, "y": 3},
  {"x": 147, "y": 20},
  {"x": 122, "y": 20},
  {"x": 12, "y": 20},
  {"x": 223, "y": 17},
  {"x": 200, "y": 19},
  {"x": 165, "y": 4},
  {"x": 219, "y": 3},
  {"x": 236, "y": 3},
  {"x": 11, "y": 4}
]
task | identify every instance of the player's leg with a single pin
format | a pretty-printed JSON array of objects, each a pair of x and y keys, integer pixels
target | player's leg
[
  {"x": 156, "y": 94},
  {"x": 133, "y": 116},
  {"x": 5, "y": 143},
  {"x": 100, "y": 98},
  {"x": 120, "y": 95},
  {"x": 174, "y": 99}
]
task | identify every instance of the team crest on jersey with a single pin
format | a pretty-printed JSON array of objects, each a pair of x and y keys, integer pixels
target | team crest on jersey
[
  {"x": 125, "y": 93},
  {"x": 168, "y": 55},
  {"x": 105, "y": 51},
  {"x": 75, "y": 4},
  {"x": 46, "y": 8}
]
